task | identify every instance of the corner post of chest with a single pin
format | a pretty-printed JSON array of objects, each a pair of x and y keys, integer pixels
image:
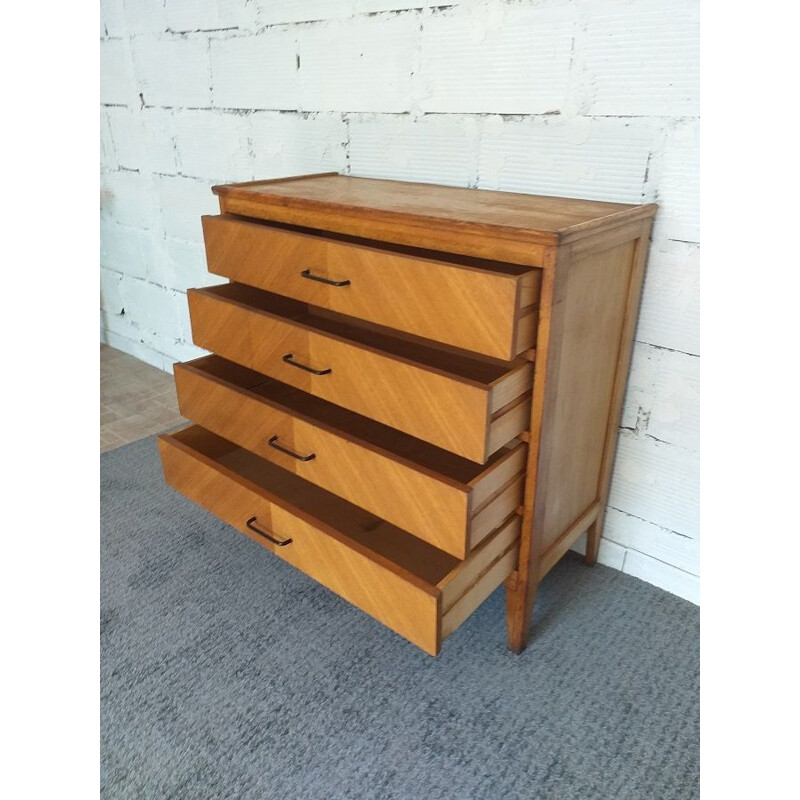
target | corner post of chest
[{"x": 521, "y": 585}]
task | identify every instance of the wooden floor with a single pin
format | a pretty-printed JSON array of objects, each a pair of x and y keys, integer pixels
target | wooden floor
[{"x": 136, "y": 399}]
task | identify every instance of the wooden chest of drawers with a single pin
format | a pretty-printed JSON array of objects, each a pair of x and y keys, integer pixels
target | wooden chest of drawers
[{"x": 415, "y": 390}]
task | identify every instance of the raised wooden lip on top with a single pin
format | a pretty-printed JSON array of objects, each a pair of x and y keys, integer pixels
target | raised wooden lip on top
[{"x": 465, "y": 230}]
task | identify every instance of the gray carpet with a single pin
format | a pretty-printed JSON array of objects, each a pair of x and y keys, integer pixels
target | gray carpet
[{"x": 225, "y": 673}]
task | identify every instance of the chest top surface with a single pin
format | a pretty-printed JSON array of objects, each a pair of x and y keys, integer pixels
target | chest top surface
[{"x": 533, "y": 218}]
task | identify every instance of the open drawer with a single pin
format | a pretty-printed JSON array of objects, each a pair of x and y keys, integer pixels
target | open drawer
[
  {"x": 474, "y": 304},
  {"x": 450, "y": 502},
  {"x": 418, "y": 591},
  {"x": 461, "y": 403}
]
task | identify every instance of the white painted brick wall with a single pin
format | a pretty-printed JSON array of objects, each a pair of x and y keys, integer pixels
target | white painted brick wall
[
  {"x": 435, "y": 148},
  {"x": 129, "y": 198},
  {"x": 297, "y": 144},
  {"x": 112, "y": 19},
  {"x": 656, "y": 481},
  {"x": 467, "y": 59},
  {"x": 664, "y": 386},
  {"x": 670, "y": 311},
  {"x": 276, "y": 12},
  {"x": 181, "y": 265},
  {"x": 213, "y": 145},
  {"x": 605, "y": 159},
  {"x": 187, "y": 16},
  {"x": 144, "y": 16},
  {"x": 255, "y": 71},
  {"x": 597, "y": 98},
  {"x": 158, "y": 141},
  {"x": 182, "y": 201},
  {"x": 679, "y": 184},
  {"x": 126, "y": 249},
  {"x": 126, "y": 134},
  {"x": 173, "y": 71},
  {"x": 108, "y": 157},
  {"x": 360, "y": 64},
  {"x": 642, "y": 58},
  {"x": 116, "y": 75}
]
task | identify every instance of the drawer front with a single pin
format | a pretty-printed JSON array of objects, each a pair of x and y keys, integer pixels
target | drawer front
[
  {"x": 413, "y": 606},
  {"x": 449, "y": 514},
  {"x": 395, "y": 600},
  {"x": 475, "y": 309},
  {"x": 408, "y": 608},
  {"x": 433, "y": 510},
  {"x": 429, "y": 405}
]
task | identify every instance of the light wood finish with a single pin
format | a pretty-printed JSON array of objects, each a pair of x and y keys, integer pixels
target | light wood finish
[
  {"x": 482, "y": 306},
  {"x": 556, "y": 550},
  {"x": 450, "y": 502},
  {"x": 588, "y": 306},
  {"x": 459, "y": 583},
  {"x": 390, "y": 575},
  {"x": 451, "y": 401},
  {"x": 503, "y": 226},
  {"x": 621, "y": 380},
  {"x": 417, "y": 365},
  {"x": 489, "y": 581},
  {"x": 590, "y": 318},
  {"x": 521, "y": 585}
]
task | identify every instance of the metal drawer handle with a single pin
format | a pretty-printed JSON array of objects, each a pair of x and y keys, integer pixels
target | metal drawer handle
[
  {"x": 272, "y": 443},
  {"x": 306, "y": 273},
  {"x": 266, "y": 535},
  {"x": 288, "y": 359}
]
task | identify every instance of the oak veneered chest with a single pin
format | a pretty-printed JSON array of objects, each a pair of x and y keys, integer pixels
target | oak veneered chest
[{"x": 415, "y": 390}]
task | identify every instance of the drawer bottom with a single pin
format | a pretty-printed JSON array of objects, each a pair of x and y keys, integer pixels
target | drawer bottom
[{"x": 418, "y": 591}]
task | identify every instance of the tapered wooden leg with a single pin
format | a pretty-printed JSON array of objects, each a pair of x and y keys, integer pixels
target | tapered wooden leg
[
  {"x": 520, "y": 597},
  {"x": 593, "y": 536}
]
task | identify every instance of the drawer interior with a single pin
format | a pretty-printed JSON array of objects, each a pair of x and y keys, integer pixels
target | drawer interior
[
  {"x": 487, "y": 264},
  {"x": 475, "y": 369},
  {"x": 380, "y": 537},
  {"x": 347, "y": 423},
  {"x": 420, "y": 592}
]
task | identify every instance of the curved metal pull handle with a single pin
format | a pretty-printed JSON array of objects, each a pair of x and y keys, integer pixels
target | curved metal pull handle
[
  {"x": 272, "y": 443},
  {"x": 288, "y": 359},
  {"x": 266, "y": 535},
  {"x": 306, "y": 273}
]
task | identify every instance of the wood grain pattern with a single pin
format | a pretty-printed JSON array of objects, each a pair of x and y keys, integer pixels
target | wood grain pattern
[
  {"x": 522, "y": 585},
  {"x": 488, "y": 582},
  {"x": 363, "y": 462},
  {"x": 501, "y": 504},
  {"x": 406, "y": 609},
  {"x": 449, "y": 409},
  {"x": 373, "y": 566},
  {"x": 499, "y": 225},
  {"x": 510, "y": 421},
  {"x": 591, "y": 318},
  {"x": 625, "y": 349},
  {"x": 588, "y": 304},
  {"x": 568, "y": 537},
  {"x": 458, "y": 582},
  {"x": 463, "y": 306},
  {"x": 488, "y": 484},
  {"x": 197, "y": 477},
  {"x": 476, "y": 277}
]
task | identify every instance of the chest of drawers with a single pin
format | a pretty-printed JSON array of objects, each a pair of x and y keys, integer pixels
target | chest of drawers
[{"x": 414, "y": 390}]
